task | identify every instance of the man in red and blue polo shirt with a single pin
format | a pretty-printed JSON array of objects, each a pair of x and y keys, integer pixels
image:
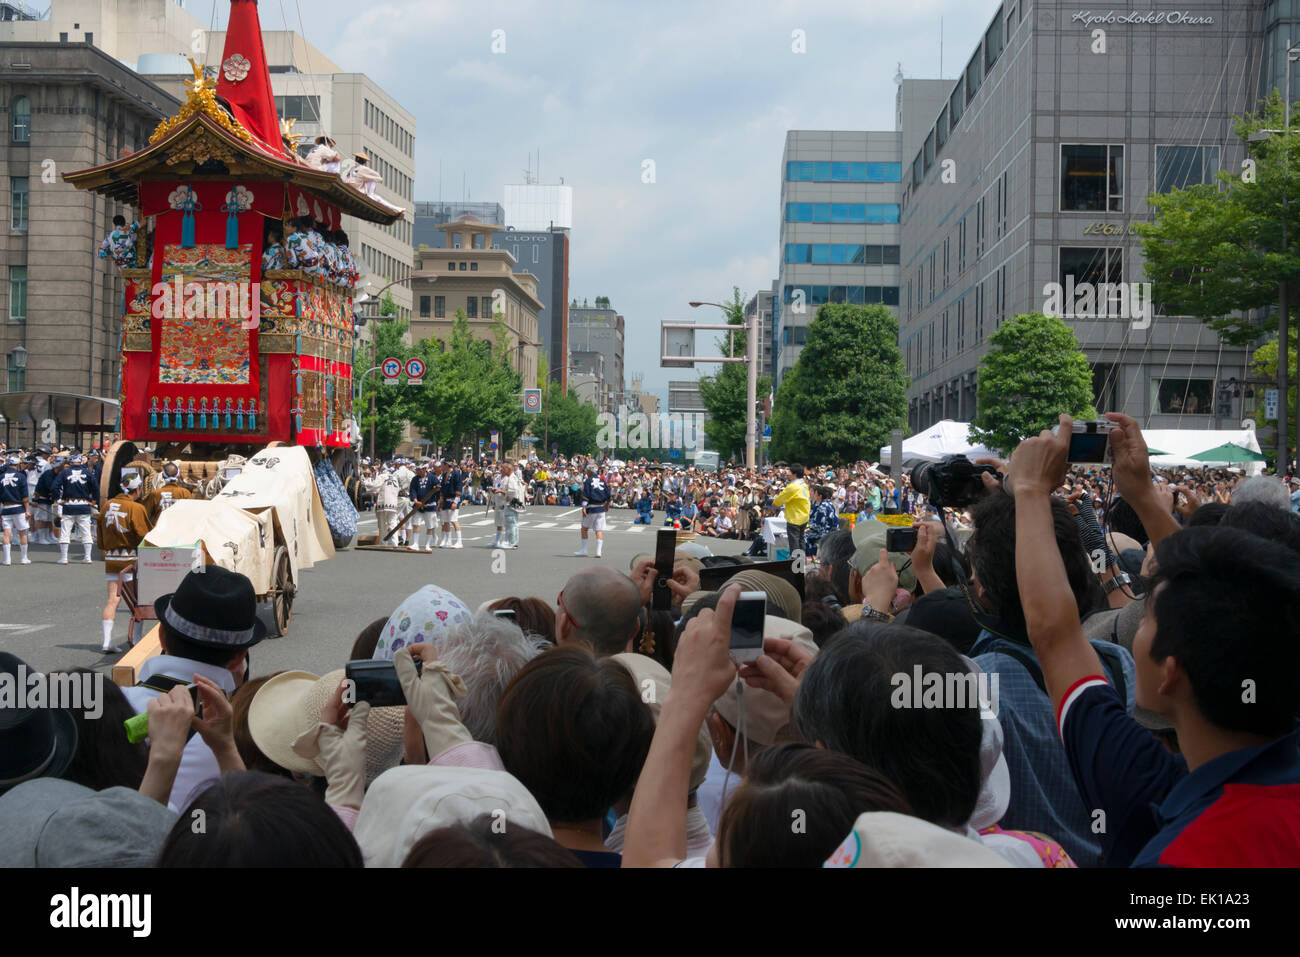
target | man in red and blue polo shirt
[{"x": 1217, "y": 654}]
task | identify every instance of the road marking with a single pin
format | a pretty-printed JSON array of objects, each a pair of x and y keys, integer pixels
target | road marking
[
  {"x": 23, "y": 629},
  {"x": 574, "y": 527},
  {"x": 545, "y": 525},
  {"x": 569, "y": 512}
]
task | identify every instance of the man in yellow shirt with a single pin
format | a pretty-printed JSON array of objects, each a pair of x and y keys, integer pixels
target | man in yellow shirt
[{"x": 794, "y": 497}]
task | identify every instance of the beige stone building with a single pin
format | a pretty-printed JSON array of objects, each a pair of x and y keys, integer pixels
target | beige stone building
[
  {"x": 63, "y": 106},
  {"x": 474, "y": 275}
]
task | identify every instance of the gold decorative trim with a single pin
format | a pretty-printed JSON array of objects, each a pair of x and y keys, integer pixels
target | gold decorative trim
[{"x": 202, "y": 98}]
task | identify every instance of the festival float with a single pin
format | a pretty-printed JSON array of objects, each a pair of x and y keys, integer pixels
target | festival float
[{"x": 224, "y": 355}]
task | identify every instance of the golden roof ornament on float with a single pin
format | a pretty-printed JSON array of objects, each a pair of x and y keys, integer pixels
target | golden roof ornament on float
[{"x": 202, "y": 98}]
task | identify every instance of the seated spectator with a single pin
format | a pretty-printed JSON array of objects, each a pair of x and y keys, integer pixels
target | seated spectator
[
  {"x": 575, "y": 731},
  {"x": 259, "y": 820},
  {"x": 1225, "y": 800},
  {"x": 366, "y": 641},
  {"x": 51, "y": 822},
  {"x": 599, "y": 609},
  {"x": 249, "y": 753},
  {"x": 104, "y": 758},
  {"x": 947, "y": 761},
  {"x": 533, "y": 615},
  {"x": 483, "y": 843},
  {"x": 1268, "y": 489},
  {"x": 406, "y": 804}
]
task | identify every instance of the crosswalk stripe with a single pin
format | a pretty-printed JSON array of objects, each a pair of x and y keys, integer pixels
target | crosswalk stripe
[
  {"x": 545, "y": 525},
  {"x": 487, "y": 522}
]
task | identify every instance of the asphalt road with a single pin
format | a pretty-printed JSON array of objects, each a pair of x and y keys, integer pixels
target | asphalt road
[{"x": 49, "y": 614}]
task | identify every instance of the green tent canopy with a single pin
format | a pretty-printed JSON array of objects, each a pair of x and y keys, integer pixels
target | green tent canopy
[{"x": 1228, "y": 453}]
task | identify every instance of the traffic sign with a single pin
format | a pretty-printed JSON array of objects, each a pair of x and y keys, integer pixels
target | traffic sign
[
  {"x": 415, "y": 368},
  {"x": 1270, "y": 403},
  {"x": 767, "y": 431},
  {"x": 533, "y": 400},
  {"x": 392, "y": 367}
]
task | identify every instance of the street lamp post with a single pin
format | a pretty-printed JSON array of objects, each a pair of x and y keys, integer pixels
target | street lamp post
[
  {"x": 357, "y": 395},
  {"x": 751, "y": 386}
]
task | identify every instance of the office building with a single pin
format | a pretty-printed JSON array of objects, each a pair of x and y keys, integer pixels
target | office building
[
  {"x": 470, "y": 273},
  {"x": 599, "y": 329},
  {"x": 839, "y": 229},
  {"x": 1036, "y": 169}
]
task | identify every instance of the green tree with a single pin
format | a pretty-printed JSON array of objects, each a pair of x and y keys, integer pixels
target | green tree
[
  {"x": 470, "y": 389},
  {"x": 1264, "y": 366},
  {"x": 847, "y": 390},
  {"x": 1034, "y": 371},
  {"x": 568, "y": 422},
  {"x": 1216, "y": 249},
  {"x": 726, "y": 393}
]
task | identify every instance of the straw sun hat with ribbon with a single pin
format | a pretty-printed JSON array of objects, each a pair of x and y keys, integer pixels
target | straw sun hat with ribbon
[{"x": 291, "y": 703}]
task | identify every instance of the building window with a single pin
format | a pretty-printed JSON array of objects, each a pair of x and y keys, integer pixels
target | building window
[
  {"x": 63, "y": 38},
  {"x": 17, "y": 380},
  {"x": 18, "y": 293},
  {"x": 90, "y": 37},
  {"x": 22, "y": 120},
  {"x": 1093, "y": 266},
  {"x": 451, "y": 266},
  {"x": 1182, "y": 396},
  {"x": 477, "y": 241},
  {"x": 1092, "y": 179},
  {"x": 298, "y": 108},
  {"x": 994, "y": 41},
  {"x": 841, "y": 212},
  {"x": 956, "y": 105},
  {"x": 1178, "y": 167},
  {"x": 464, "y": 267},
  {"x": 440, "y": 307},
  {"x": 473, "y": 267},
  {"x": 941, "y": 129},
  {"x": 974, "y": 76},
  {"x": 488, "y": 312},
  {"x": 471, "y": 307},
  {"x": 809, "y": 171},
  {"x": 424, "y": 307},
  {"x": 18, "y": 202}
]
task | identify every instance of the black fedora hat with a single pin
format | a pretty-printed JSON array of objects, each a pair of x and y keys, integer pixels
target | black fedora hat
[
  {"x": 34, "y": 742},
  {"x": 214, "y": 607}
]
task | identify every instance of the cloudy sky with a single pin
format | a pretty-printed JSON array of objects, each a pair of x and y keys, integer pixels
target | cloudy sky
[{"x": 705, "y": 90}]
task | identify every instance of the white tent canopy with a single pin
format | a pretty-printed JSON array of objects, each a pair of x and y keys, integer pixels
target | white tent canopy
[{"x": 945, "y": 437}]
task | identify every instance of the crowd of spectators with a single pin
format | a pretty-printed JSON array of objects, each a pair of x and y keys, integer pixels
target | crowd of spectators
[{"x": 1077, "y": 668}]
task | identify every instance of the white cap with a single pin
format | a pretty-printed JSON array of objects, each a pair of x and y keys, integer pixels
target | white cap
[{"x": 131, "y": 484}]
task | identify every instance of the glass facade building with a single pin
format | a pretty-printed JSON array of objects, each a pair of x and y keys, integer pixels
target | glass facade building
[{"x": 1036, "y": 168}]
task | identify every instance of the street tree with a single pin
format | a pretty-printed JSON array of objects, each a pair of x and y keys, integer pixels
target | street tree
[
  {"x": 846, "y": 391},
  {"x": 1034, "y": 371},
  {"x": 726, "y": 393}
]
